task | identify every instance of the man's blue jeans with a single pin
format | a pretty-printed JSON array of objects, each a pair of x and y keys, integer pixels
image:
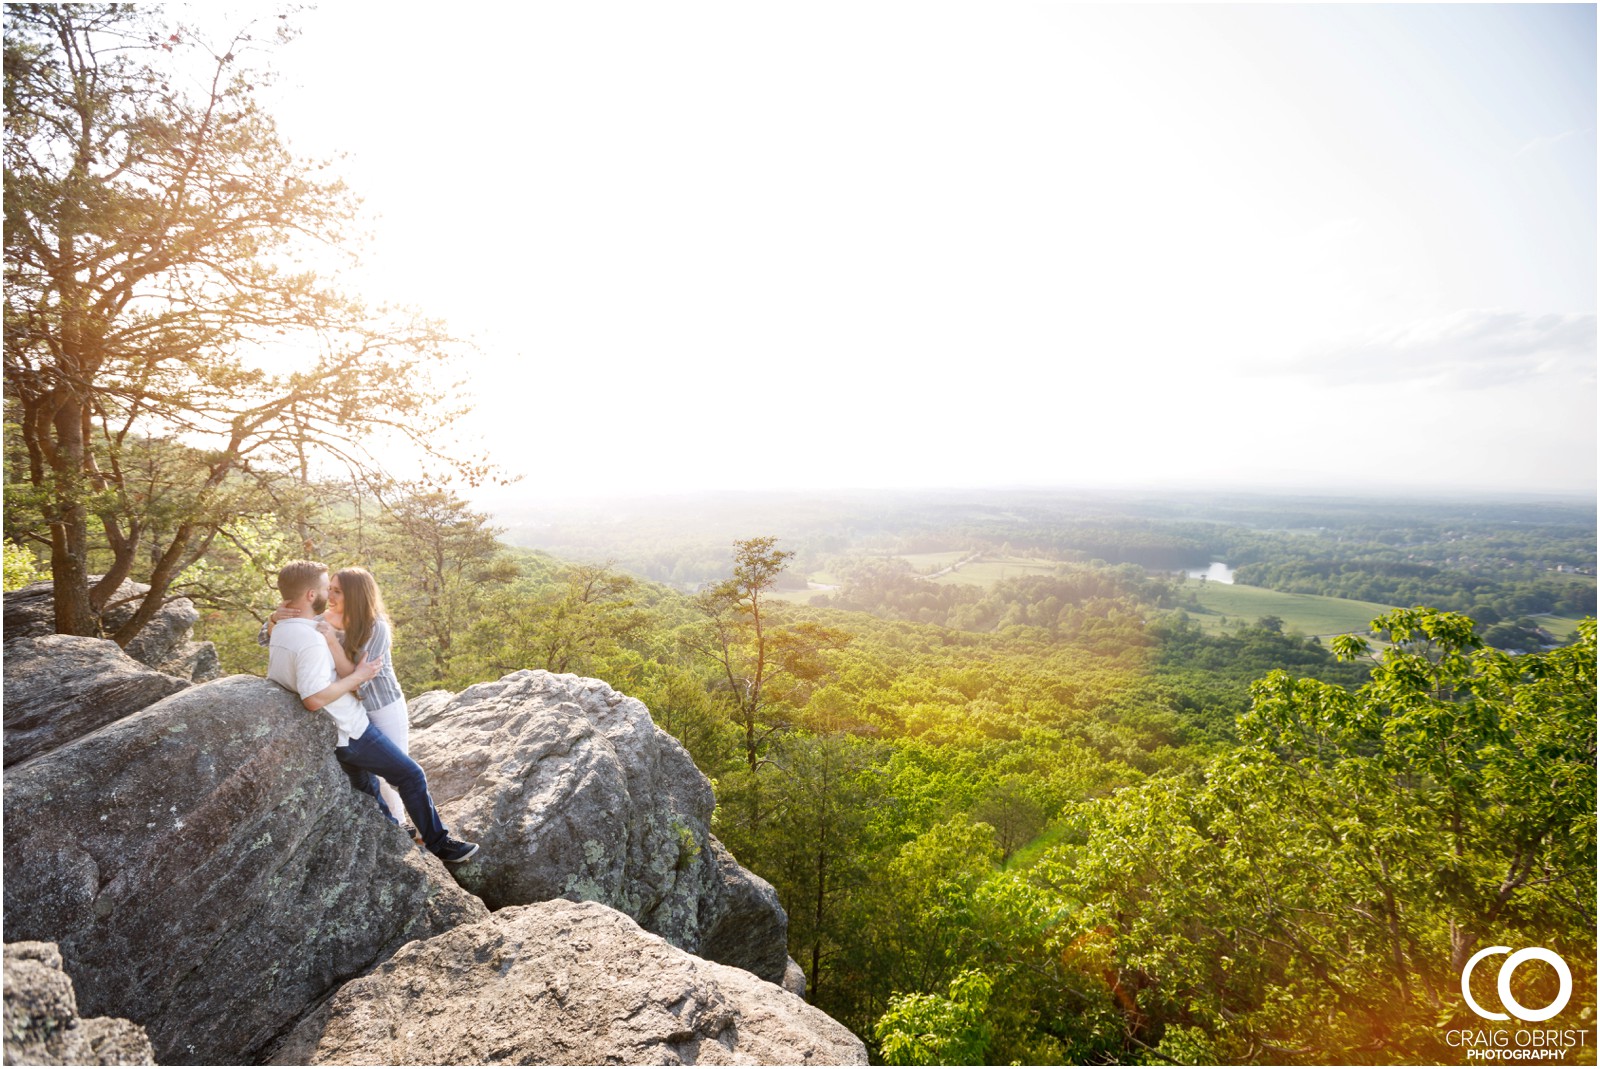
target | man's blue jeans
[{"x": 372, "y": 755}]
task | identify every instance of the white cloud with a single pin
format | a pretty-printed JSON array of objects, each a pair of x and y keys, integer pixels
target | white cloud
[
  {"x": 1544, "y": 141},
  {"x": 1470, "y": 349}
]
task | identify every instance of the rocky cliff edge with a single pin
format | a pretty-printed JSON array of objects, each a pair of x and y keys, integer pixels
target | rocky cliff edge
[{"x": 209, "y": 875}]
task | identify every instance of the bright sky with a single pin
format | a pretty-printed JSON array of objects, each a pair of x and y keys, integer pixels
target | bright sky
[{"x": 723, "y": 245}]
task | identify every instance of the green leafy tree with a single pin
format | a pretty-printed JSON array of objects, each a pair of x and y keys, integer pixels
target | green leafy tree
[
  {"x": 438, "y": 561},
  {"x": 927, "y": 923},
  {"x": 946, "y": 1029},
  {"x": 765, "y": 664},
  {"x": 1013, "y": 811},
  {"x": 154, "y": 293},
  {"x": 571, "y": 625},
  {"x": 680, "y": 704},
  {"x": 814, "y": 847}
]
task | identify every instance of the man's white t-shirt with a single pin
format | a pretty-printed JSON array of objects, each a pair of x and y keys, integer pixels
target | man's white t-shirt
[{"x": 298, "y": 658}]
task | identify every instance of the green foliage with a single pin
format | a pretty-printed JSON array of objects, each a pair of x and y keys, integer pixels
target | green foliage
[
  {"x": 816, "y": 798},
  {"x": 240, "y": 570},
  {"x": 1315, "y": 898},
  {"x": 439, "y": 561},
  {"x": 766, "y": 662},
  {"x": 688, "y": 846},
  {"x": 22, "y": 567},
  {"x": 558, "y": 617},
  {"x": 1495, "y": 575},
  {"x": 938, "y": 1030}
]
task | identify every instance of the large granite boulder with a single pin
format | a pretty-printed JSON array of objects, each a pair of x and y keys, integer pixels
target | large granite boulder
[
  {"x": 163, "y": 644},
  {"x": 563, "y": 983},
  {"x": 42, "y": 1022},
  {"x": 575, "y": 793},
  {"x": 60, "y": 687},
  {"x": 208, "y": 871}
]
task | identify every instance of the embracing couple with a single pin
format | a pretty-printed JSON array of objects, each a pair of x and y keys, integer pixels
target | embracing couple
[{"x": 329, "y": 643}]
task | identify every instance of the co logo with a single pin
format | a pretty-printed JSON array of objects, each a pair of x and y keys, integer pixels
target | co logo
[{"x": 1523, "y": 1013}]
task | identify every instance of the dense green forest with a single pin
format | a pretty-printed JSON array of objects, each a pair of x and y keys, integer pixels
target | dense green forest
[{"x": 1047, "y": 818}]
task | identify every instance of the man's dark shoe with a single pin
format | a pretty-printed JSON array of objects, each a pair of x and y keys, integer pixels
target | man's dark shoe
[{"x": 454, "y": 851}]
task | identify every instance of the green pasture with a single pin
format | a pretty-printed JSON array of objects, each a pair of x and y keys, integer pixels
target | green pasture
[
  {"x": 1562, "y": 627},
  {"x": 1570, "y": 577},
  {"x": 1310, "y": 614},
  {"x": 799, "y": 597},
  {"x": 926, "y": 563},
  {"x": 987, "y": 571}
]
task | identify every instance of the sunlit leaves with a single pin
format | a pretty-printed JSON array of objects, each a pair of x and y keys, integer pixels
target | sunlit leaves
[
  {"x": 1315, "y": 899},
  {"x": 166, "y": 263},
  {"x": 949, "y": 1029}
]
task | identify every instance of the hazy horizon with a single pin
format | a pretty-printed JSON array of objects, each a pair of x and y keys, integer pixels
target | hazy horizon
[{"x": 505, "y": 499}]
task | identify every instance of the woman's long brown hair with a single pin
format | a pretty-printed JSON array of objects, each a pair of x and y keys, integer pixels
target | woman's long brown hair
[{"x": 363, "y": 606}]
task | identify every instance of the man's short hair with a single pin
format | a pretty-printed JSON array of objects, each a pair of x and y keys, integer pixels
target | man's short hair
[{"x": 297, "y": 577}]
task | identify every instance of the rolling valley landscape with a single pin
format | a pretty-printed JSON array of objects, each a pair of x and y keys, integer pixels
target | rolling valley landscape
[{"x": 708, "y": 533}]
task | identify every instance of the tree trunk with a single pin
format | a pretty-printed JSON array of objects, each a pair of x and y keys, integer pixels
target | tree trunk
[
  {"x": 816, "y": 919},
  {"x": 172, "y": 562},
  {"x": 124, "y": 550},
  {"x": 69, "y": 522}
]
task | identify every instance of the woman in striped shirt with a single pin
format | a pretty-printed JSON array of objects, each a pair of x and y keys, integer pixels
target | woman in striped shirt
[{"x": 357, "y": 625}]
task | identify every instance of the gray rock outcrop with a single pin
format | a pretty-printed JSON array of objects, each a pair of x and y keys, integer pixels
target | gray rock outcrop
[
  {"x": 164, "y": 644},
  {"x": 61, "y": 687},
  {"x": 794, "y": 979},
  {"x": 208, "y": 872},
  {"x": 426, "y": 707},
  {"x": 563, "y": 983},
  {"x": 575, "y": 793},
  {"x": 42, "y": 1022}
]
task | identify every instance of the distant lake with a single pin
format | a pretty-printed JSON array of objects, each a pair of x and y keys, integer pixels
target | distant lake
[{"x": 1216, "y": 573}]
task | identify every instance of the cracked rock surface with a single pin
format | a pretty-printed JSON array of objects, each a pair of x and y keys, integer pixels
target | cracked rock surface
[
  {"x": 61, "y": 687},
  {"x": 165, "y": 643},
  {"x": 564, "y": 983}
]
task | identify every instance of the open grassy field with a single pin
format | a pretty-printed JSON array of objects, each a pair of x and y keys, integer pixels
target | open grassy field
[
  {"x": 1310, "y": 614},
  {"x": 1562, "y": 627},
  {"x": 987, "y": 571},
  {"x": 799, "y": 597},
  {"x": 925, "y": 563}
]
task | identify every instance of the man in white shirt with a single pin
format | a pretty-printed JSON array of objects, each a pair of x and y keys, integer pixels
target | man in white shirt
[{"x": 298, "y": 659}]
